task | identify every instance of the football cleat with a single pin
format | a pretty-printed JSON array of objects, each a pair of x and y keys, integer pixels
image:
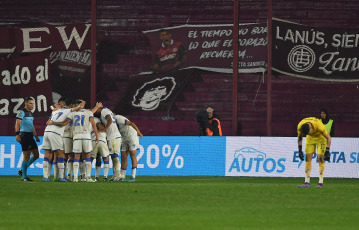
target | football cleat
[
  {"x": 320, "y": 185},
  {"x": 131, "y": 179},
  {"x": 63, "y": 180},
  {"x": 97, "y": 179},
  {"x": 75, "y": 180},
  {"x": 46, "y": 180},
  {"x": 19, "y": 172},
  {"x": 26, "y": 179},
  {"x": 304, "y": 185},
  {"x": 90, "y": 180},
  {"x": 105, "y": 179},
  {"x": 122, "y": 180}
]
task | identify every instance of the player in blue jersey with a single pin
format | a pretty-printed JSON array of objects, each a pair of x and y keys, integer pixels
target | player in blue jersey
[{"x": 25, "y": 133}]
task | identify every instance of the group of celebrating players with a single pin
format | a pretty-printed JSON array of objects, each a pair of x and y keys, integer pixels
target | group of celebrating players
[{"x": 75, "y": 136}]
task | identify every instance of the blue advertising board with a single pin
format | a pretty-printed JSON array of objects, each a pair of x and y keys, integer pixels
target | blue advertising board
[{"x": 158, "y": 156}]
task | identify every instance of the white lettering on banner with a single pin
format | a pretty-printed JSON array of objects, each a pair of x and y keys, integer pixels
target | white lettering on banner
[
  {"x": 5, "y": 109},
  {"x": 18, "y": 102},
  {"x": 74, "y": 35},
  {"x": 77, "y": 56},
  {"x": 215, "y": 33},
  {"x": 259, "y": 30},
  {"x": 17, "y": 78},
  {"x": 345, "y": 40},
  {"x": 42, "y": 71},
  {"x": 153, "y": 154},
  {"x": 41, "y": 98},
  {"x": 27, "y": 39},
  {"x": 332, "y": 64},
  {"x": 40, "y": 104},
  {"x": 9, "y": 159},
  {"x": 222, "y": 54},
  {"x": 4, "y": 156},
  {"x": 301, "y": 37},
  {"x": 22, "y": 75},
  {"x": 156, "y": 158},
  {"x": 193, "y": 45},
  {"x": 211, "y": 44},
  {"x": 192, "y": 34}
]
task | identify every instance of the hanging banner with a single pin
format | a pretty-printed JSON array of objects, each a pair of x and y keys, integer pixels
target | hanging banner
[
  {"x": 209, "y": 47},
  {"x": 315, "y": 53},
  {"x": 30, "y": 53},
  {"x": 35, "y": 39},
  {"x": 154, "y": 92},
  {"x": 23, "y": 77}
]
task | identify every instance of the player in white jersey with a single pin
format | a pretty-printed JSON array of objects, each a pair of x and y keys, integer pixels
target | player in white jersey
[
  {"x": 81, "y": 121},
  {"x": 100, "y": 150},
  {"x": 67, "y": 138},
  {"x": 130, "y": 144},
  {"x": 113, "y": 137},
  {"x": 53, "y": 141}
]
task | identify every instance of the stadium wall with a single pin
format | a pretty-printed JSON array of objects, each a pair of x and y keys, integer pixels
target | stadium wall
[{"x": 213, "y": 156}]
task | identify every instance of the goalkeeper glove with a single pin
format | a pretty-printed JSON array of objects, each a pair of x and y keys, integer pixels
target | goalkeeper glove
[
  {"x": 327, "y": 154},
  {"x": 301, "y": 155}
]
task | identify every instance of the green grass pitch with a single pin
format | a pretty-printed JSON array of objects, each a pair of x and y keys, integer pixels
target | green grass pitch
[{"x": 179, "y": 203}]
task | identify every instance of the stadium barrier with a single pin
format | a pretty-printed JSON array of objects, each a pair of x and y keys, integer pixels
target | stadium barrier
[{"x": 213, "y": 156}]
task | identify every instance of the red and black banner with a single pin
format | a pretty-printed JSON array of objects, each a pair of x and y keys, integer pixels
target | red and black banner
[
  {"x": 209, "y": 47},
  {"x": 315, "y": 53},
  {"x": 43, "y": 61},
  {"x": 23, "y": 77}
]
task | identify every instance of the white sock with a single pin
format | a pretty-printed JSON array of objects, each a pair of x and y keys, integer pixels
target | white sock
[
  {"x": 56, "y": 171},
  {"x": 115, "y": 162},
  {"x": 49, "y": 167},
  {"x": 81, "y": 169},
  {"x": 45, "y": 164},
  {"x": 70, "y": 168},
  {"x": 98, "y": 170},
  {"x": 123, "y": 173},
  {"x": 106, "y": 167},
  {"x": 88, "y": 169},
  {"x": 133, "y": 174},
  {"x": 76, "y": 170},
  {"x": 61, "y": 168}
]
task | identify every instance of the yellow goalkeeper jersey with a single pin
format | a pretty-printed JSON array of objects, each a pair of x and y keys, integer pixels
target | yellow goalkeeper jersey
[{"x": 319, "y": 129}]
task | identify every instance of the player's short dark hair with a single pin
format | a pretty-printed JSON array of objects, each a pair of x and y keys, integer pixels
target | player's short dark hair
[
  {"x": 62, "y": 99},
  {"x": 77, "y": 102},
  {"x": 69, "y": 101},
  {"x": 305, "y": 129},
  {"x": 29, "y": 99}
]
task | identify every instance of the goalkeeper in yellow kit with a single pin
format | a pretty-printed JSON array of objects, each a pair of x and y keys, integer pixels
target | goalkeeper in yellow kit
[{"x": 317, "y": 138}]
